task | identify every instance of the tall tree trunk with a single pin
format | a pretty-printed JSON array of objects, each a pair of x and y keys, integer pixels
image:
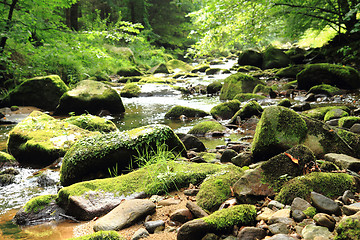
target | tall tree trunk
[
  {"x": 7, "y": 26},
  {"x": 72, "y": 16}
]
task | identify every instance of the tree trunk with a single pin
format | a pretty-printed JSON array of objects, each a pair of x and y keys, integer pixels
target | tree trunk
[
  {"x": 72, "y": 16},
  {"x": 7, "y": 26}
]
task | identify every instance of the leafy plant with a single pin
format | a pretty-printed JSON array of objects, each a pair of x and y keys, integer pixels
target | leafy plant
[{"x": 113, "y": 172}]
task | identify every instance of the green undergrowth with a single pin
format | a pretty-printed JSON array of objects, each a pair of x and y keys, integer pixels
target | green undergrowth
[
  {"x": 101, "y": 235},
  {"x": 38, "y": 203}
]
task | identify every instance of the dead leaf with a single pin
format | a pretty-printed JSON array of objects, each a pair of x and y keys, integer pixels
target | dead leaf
[{"x": 292, "y": 158}]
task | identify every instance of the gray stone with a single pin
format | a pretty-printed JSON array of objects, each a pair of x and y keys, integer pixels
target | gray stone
[
  {"x": 298, "y": 215},
  {"x": 311, "y": 231},
  {"x": 227, "y": 155},
  {"x": 324, "y": 204},
  {"x": 350, "y": 210},
  {"x": 194, "y": 230},
  {"x": 169, "y": 202},
  {"x": 197, "y": 211},
  {"x": 325, "y": 220},
  {"x": 285, "y": 220},
  {"x": 191, "y": 192},
  {"x": 242, "y": 159},
  {"x": 125, "y": 215},
  {"x": 154, "y": 226},
  {"x": 275, "y": 204},
  {"x": 355, "y": 128},
  {"x": 278, "y": 228},
  {"x": 139, "y": 234},
  {"x": 299, "y": 204},
  {"x": 333, "y": 122},
  {"x": 192, "y": 143},
  {"x": 251, "y": 233},
  {"x": 282, "y": 237},
  {"x": 181, "y": 215},
  {"x": 348, "y": 197},
  {"x": 343, "y": 161}
]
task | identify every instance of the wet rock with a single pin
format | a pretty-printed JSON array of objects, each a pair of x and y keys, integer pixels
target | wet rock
[
  {"x": 312, "y": 231},
  {"x": 192, "y": 143},
  {"x": 197, "y": 211},
  {"x": 44, "y": 180},
  {"x": 139, "y": 234},
  {"x": 195, "y": 230},
  {"x": 343, "y": 161},
  {"x": 324, "y": 204},
  {"x": 227, "y": 155},
  {"x": 177, "y": 111},
  {"x": 154, "y": 226},
  {"x": 181, "y": 215},
  {"x": 225, "y": 110},
  {"x": 251, "y": 233},
  {"x": 325, "y": 220},
  {"x": 127, "y": 213},
  {"x": 6, "y": 179},
  {"x": 278, "y": 228}
]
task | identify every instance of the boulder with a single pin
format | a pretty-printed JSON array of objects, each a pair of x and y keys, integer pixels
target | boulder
[
  {"x": 242, "y": 97},
  {"x": 319, "y": 113},
  {"x": 285, "y": 102},
  {"x": 195, "y": 230},
  {"x": 207, "y": 128},
  {"x": 275, "y": 58},
  {"x": 94, "y": 156},
  {"x": 250, "y": 109},
  {"x": 214, "y": 87},
  {"x": 251, "y": 58},
  {"x": 92, "y": 97},
  {"x": 324, "y": 89},
  {"x": 177, "y": 111},
  {"x": 129, "y": 72},
  {"x": 348, "y": 122},
  {"x": 324, "y": 204},
  {"x": 130, "y": 90},
  {"x": 297, "y": 55},
  {"x": 213, "y": 71},
  {"x": 200, "y": 68},
  {"x": 42, "y": 92},
  {"x": 289, "y": 72},
  {"x": 278, "y": 130},
  {"x": 160, "y": 68},
  {"x": 225, "y": 110},
  {"x": 41, "y": 139},
  {"x": 336, "y": 75},
  {"x": 349, "y": 228},
  {"x": 191, "y": 142},
  {"x": 175, "y": 64},
  {"x": 92, "y": 123},
  {"x": 237, "y": 83},
  {"x": 335, "y": 114},
  {"x": 7, "y": 160},
  {"x": 311, "y": 232},
  {"x": 343, "y": 161}
]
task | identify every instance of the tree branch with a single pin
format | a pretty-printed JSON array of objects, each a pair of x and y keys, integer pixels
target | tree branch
[{"x": 306, "y": 7}]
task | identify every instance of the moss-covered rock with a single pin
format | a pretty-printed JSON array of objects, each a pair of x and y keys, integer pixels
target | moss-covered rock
[
  {"x": 41, "y": 92},
  {"x": 334, "y": 114},
  {"x": 101, "y": 235},
  {"x": 240, "y": 215},
  {"x": 320, "y": 112},
  {"x": 217, "y": 188},
  {"x": 92, "y": 97},
  {"x": 93, "y": 156},
  {"x": 336, "y": 75},
  {"x": 297, "y": 55},
  {"x": 289, "y": 72},
  {"x": 207, "y": 127},
  {"x": 160, "y": 68},
  {"x": 178, "y": 64},
  {"x": 238, "y": 83},
  {"x": 40, "y": 139},
  {"x": 324, "y": 89},
  {"x": 7, "y": 160},
  {"x": 347, "y": 122},
  {"x": 285, "y": 102},
  {"x": 248, "y": 68},
  {"x": 250, "y": 109},
  {"x": 200, "y": 68},
  {"x": 177, "y": 111},
  {"x": 275, "y": 58},
  {"x": 250, "y": 57},
  {"x": 92, "y": 123},
  {"x": 348, "y": 228},
  {"x": 242, "y": 97},
  {"x": 212, "y": 71},
  {"x": 214, "y": 87},
  {"x": 37, "y": 203},
  {"x": 225, "y": 110},
  {"x": 278, "y": 130},
  {"x": 130, "y": 90},
  {"x": 331, "y": 185},
  {"x": 261, "y": 88},
  {"x": 129, "y": 72}
]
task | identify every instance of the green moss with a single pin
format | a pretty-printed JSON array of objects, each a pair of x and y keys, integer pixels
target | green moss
[
  {"x": 214, "y": 87},
  {"x": 217, "y": 188},
  {"x": 278, "y": 130},
  {"x": 335, "y": 113},
  {"x": 348, "y": 229},
  {"x": 200, "y": 68},
  {"x": 241, "y": 215},
  {"x": 275, "y": 58},
  {"x": 320, "y": 112},
  {"x": 261, "y": 88},
  {"x": 129, "y": 71},
  {"x": 289, "y": 72},
  {"x": 250, "y": 109},
  {"x": 177, "y": 64},
  {"x": 352, "y": 141},
  {"x": 310, "y": 212},
  {"x": 347, "y": 122},
  {"x": 289, "y": 85},
  {"x": 208, "y": 157},
  {"x": 38, "y": 203},
  {"x": 212, "y": 71},
  {"x": 152, "y": 79},
  {"x": 324, "y": 89},
  {"x": 285, "y": 102},
  {"x": 225, "y": 110},
  {"x": 237, "y": 83},
  {"x": 130, "y": 90},
  {"x": 331, "y": 185},
  {"x": 92, "y": 123},
  {"x": 101, "y": 235},
  {"x": 6, "y": 158},
  {"x": 242, "y": 97},
  {"x": 206, "y": 127},
  {"x": 177, "y": 111},
  {"x": 248, "y": 68}
]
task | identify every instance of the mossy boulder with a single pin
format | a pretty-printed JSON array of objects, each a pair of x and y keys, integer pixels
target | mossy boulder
[
  {"x": 289, "y": 72},
  {"x": 160, "y": 68},
  {"x": 92, "y": 97},
  {"x": 331, "y": 185},
  {"x": 7, "y": 160},
  {"x": 214, "y": 87},
  {"x": 279, "y": 129},
  {"x": 178, "y": 64},
  {"x": 275, "y": 58},
  {"x": 40, "y": 139},
  {"x": 250, "y": 57},
  {"x": 320, "y": 112},
  {"x": 225, "y": 110},
  {"x": 129, "y": 72},
  {"x": 348, "y": 228},
  {"x": 93, "y": 156},
  {"x": 130, "y": 90},
  {"x": 261, "y": 88},
  {"x": 324, "y": 89},
  {"x": 297, "y": 55},
  {"x": 242, "y": 97},
  {"x": 250, "y": 109},
  {"x": 347, "y": 122},
  {"x": 207, "y": 128},
  {"x": 334, "y": 114},
  {"x": 248, "y": 68},
  {"x": 177, "y": 111},
  {"x": 212, "y": 71},
  {"x": 238, "y": 83},
  {"x": 92, "y": 123},
  {"x": 285, "y": 102},
  {"x": 340, "y": 76},
  {"x": 217, "y": 188},
  {"x": 101, "y": 235},
  {"x": 200, "y": 68},
  {"x": 42, "y": 92}
]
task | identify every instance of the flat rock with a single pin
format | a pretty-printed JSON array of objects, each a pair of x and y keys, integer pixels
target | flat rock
[
  {"x": 282, "y": 237},
  {"x": 278, "y": 228},
  {"x": 251, "y": 233},
  {"x": 197, "y": 211},
  {"x": 265, "y": 215},
  {"x": 324, "y": 204},
  {"x": 350, "y": 210},
  {"x": 343, "y": 161},
  {"x": 169, "y": 202},
  {"x": 194, "y": 230},
  {"x": 311, "y": 231},
  {"x": 125, "y": 215},
  {"x": 299, "y": 204}
]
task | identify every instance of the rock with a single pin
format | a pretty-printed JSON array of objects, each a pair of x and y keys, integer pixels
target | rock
[
  {"x": 251, "y": 233},
  {"x": 334, "y": 114},
  {"x": 200, "y": 68},
  {"x": 299, "y": 204},
  {"x": 289, "y": 72},
  {"x": 6, "y": 179},
  {"x": 320, "y": 112},
  {"x": 139, "y": 234},
  {"x": 195, "y": 230},
  {"x": 350, "y": 210},
  {"x": 275, "y": 58},
  {"x": 251, "y": 58},
  {"x": 348, "y": 122},
  {"x": 237, "y": 83},
  {"x": 281, "y": 237},
  {"x": 324, "y": 204},
  {"x": 102, "y": 235},
  {"x": 91, "y": 156},
  {"x": 210, "y": 236},
  {"x": 283, "y": 213},
  {"x": 214, "y": 87},
  {"x": 27, "y": 92},
  {"x": 191, "y": 192},
  {"x": 343, "y": 161},
  {"x": 250, "y": 109},
  {"x": 227, "y": 155},
  {"x": 298, "y": 215},
  {"x": 225, "y": 110},
  {"x": 129, "y": 72},
  {"x": 324, "y": 89},
  {"x": 154, "y": 226},
  {"x": 124, "y": 215},
  {"x": 349, "y": 228},
  {"x": 169, "y": 202},
  {"x": 265, "y": 215},
  {"x": 325, "y": 220},
  {"x": 160, "y": 68},
  {"x": 176, "y": 64},
  {"x": 41, "y": 139},
  {"x": 177, "y": 111},
  {"x": 275, "y": 204},
  {"x": 7, "y": 160},
  {"x": 197, "y": 211},
  {"x": 285, "y": 103},
  {"x": 242, "y": 159},
  {"x": 333, "y": 122},
  {"x": 310, "y": 97},
  {"x": 92, "y": 97},
  {"x": 355, "y": 128},
  {"x": 278, "y": 228},
  {"x": 278, "y": 130},
  {"x": 45, "y": 180},
  {"x": 311, "y": 231},
  {"x": 181, "y": 215},
  {"x": 301, "y": 107},
  {"x": 192, "y": 143},
  {"x": 207, "y": 128},
  {"x": 92, "y": 123},
  {"x": 130, "y": 90},
  {"x": 250, "y": 188},
  {"x": 243, "y": 97},
  {"x": 315, "y": 74}
]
